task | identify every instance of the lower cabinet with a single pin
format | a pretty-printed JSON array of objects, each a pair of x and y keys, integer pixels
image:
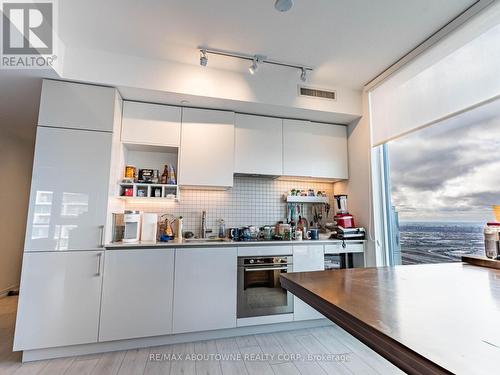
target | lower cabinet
[
  {"x": 205, "y": 289},
  {"x": 137, "y": 293},
  {"x": 307, "y": 258},
  {"x": 59, "y": 299}
]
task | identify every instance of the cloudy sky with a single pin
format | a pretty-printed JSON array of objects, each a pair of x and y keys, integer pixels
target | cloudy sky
[{"x": 449, "y": 171}]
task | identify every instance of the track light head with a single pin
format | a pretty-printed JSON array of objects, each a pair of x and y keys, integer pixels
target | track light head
[
  {"x": 254, "y": 67},
  {"x": 283, "y": 5},
  {"x": 257, "y": 60},
  {"x": 203, "y": 58},
  {"x": 303, "y": 75}
]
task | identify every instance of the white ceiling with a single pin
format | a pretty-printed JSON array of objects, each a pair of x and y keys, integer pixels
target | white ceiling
[{"x": 348, "y": 41}]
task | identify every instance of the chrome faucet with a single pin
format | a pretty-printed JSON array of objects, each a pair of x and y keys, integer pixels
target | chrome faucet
[{"x": 203, "y": 224}]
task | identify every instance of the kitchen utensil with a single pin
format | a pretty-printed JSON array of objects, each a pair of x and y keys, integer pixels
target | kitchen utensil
[
  {"x": 341, "y": 207},
  {"x": 118, "y": 227},
  {"x": 149, "y": 227},
  {"x": 222, "y": 228},
  {"x": 344, "y": 220},
  {"x": 245, "y": 234},
  {"x": 266, "y": 233},
  {"x": 313, "y": 234},
  {"x": 234, "y": 234},
  {"x": 132, "y": 221},
  {"x": 491, "y": 240},
  {"x": 254, "y": 232},
  {"x": 297, "y": 235}
]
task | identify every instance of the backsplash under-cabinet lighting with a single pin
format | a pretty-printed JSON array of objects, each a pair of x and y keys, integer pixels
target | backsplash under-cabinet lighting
[{"x": 252, "y": 201}]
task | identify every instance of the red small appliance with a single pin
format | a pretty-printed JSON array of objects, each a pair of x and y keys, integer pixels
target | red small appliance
[
  {"x": 342, "y": 216},
  {"x": 344, "y": 220}
]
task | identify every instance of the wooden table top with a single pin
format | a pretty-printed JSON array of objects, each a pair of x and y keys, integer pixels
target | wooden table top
[{"x": 433, "y": 318}]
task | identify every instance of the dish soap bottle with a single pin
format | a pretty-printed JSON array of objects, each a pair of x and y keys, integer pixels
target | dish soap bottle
[{"x": 222, "y": 228}]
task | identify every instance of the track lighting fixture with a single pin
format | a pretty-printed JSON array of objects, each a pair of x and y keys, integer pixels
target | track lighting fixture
[
  {"x": 203, "y": 57},
  {"x": 256, "y": 60},
  {"x": 254, "y": 67},
  {"x": 303, "y": 75}
]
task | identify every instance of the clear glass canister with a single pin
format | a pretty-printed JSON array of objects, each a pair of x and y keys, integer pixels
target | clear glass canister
[{"x": 491, "y": 240}]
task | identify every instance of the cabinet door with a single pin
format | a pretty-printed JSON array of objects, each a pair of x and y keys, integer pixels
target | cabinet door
[
  {"x": 307, "y": 258},
  {"x": 59, "y": 299},
  {"x": 258, "y": 145},
  {"x": 69, "y": 190},
  {"x": 205, "y": 289},
  {"x": 314, "y": 150},
  {"x": 76, "y": 106},
  {"x": 207, "y": 148},
  {"x": 151, "y": 124},
  {"x": 137, "y": 294}
]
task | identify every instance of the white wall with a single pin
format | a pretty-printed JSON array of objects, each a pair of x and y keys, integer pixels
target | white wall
[
  {"x": 272, "y": 86},
  {"x": 358, "y": 185},
  {"x": 19, "y": 101}
]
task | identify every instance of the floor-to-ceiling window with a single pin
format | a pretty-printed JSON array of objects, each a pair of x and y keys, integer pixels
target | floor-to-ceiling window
[
  {"x": 443, "y": 181},
  {"x": 435, "y": 126}
]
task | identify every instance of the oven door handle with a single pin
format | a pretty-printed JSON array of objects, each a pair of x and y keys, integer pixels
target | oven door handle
[{"x": 265, "y": 269}]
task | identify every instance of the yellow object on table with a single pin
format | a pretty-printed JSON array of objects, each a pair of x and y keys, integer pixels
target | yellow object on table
[{"x": 496, "y": 211}]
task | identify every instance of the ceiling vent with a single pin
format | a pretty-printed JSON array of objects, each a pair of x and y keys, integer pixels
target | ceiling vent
[{"x": 317, "y": 93}]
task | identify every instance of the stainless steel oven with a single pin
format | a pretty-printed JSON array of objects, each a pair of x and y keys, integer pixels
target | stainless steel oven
[{"x": 259, "y": 289}]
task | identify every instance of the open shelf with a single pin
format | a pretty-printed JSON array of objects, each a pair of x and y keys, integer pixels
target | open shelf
[
  {"x": 149, "y": 191},
  {"x": 305, "y": 199}
]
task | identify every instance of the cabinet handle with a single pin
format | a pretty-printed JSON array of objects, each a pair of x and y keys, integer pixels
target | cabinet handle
[
  {"x": 99, "y": 256},
  {"x": 101, "y": 236}
]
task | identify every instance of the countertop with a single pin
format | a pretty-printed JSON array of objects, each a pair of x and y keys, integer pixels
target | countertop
[
  {"x": 228, "y": 243},
  {"x": 426, "y": 319}
]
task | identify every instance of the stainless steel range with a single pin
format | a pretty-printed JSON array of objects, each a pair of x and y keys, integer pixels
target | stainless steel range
[{"x": 259, "y": 289}]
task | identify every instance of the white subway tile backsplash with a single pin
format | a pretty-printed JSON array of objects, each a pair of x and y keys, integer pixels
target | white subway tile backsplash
[{"x": 252, "y": 201}]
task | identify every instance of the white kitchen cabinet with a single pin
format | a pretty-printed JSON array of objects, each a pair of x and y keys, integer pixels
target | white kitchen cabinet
[
  {"x": 345, "y": 247},
  {"x": 307, "y": 258},
  {"x": 59, "y": 299},
  {"x": 207, "y": 148},
  {"x": 314, "y": 150},
  {"x": 151, "y": 124},
  {"x": 69, "y": 190},
  {"x": 258, "y": 145},
  {"x": 76, "y": 106},
  {"x": 205, "y": 289},
  {"x": 137, "y": 294}
]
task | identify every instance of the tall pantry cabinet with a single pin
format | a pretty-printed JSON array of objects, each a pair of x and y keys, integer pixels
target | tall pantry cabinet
[{"x": 61, "y": 275}]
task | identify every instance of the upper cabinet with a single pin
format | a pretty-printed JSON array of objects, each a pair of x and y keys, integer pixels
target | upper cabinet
[
  {"x": 258, "y": 145},
  {"x": 207, "y": 148},
  {"x": 76, "y": 106},
  {"x": 314, "y": 150},
  {"x": 151, "y": 124}
]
